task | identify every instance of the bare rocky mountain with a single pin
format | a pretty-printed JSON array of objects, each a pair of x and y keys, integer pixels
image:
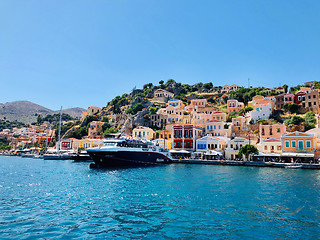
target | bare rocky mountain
[
  {"x": 27, "y": 112},
  {"x": 73, "y": 112}
]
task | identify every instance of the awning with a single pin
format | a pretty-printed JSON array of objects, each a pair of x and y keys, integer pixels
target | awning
[
  {"x": 183, "y": 151},
  {"x": 297, "y": 154},
  {"x": 179, "y": 151},
  {"x": 212, "y": 152}
]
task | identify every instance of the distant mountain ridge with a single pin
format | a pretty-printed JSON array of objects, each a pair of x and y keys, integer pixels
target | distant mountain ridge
[{"x": 27, "y": 112}]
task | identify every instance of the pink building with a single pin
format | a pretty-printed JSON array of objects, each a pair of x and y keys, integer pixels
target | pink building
[
  {"x": 271, "y": 131},
  {"x": 234, "y": 106}
]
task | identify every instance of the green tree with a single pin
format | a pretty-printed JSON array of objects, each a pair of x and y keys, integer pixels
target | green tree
[
  {"x": 292, "y": 108},
  {"x": 285, "y": 86},
  {"x": 39, "y": 120},
  {"x": 170, "y": 81},
  {"x": 296, "y": 120},
  {"x": 137, "y": 107},
  {"x": 310, "y": 120},
  {"x": 129, "y": 111},
  {"x": 161, "y": 82},
  {"x": 108, "y": 131},
  {"x": 147, "y": 91},
  {"x": 152, "y": 110},
  {"x": 309, "y": 117},
  {"x": 247, "y": 150},
  {"x": 89, "y": 119},
  {"x": 208, "y": 85},
  {"x": 105, "y": 119},
  {"x": 248, "y": 109}
]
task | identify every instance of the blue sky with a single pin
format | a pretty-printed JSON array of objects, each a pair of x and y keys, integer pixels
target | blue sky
[{"x": 83, "y": 53}]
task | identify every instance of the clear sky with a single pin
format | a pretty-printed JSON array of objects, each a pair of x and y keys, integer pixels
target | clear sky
[{"x": 80, "y": 53}]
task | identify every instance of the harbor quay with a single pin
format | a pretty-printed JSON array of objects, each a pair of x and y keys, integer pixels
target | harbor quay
[{"x": 247, "y": 163}]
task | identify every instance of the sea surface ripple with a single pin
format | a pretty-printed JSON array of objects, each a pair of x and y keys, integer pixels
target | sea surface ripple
[{"x": 65, "y": 200}]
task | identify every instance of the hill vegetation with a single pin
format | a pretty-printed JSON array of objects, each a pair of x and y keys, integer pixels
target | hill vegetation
[
  {"x": 139, "y": 105},
  {"x": 10, "y": 125},
  {"x": 27, "y": 112}
]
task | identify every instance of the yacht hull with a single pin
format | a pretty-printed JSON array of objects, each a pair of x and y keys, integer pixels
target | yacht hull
[{"x": 127, "y": 158}]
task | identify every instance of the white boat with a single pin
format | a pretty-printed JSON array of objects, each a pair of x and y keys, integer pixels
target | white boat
[
  {"x": 294, "y": 166},
  {"x": 58, "y": 156}
]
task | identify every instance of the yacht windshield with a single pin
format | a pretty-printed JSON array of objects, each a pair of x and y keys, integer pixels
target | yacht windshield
[{"x": 109, "y": 144}]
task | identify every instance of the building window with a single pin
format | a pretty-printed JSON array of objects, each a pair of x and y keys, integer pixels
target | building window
[
  {"x": 287, "y": 144},
  {"x": 308, "y": 142},
  {"x": 293, "y": 144},
  {"x": 265, "y": 147},
  {"x": 278, "y": 130}
]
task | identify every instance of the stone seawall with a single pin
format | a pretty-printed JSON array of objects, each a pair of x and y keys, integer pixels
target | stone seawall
[{"x": 246, "y": 163}]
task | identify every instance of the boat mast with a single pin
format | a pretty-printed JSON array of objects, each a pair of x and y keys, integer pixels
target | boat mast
[
  {"x": 48, "y": 130},
  {"x": 59, "y": 131}
]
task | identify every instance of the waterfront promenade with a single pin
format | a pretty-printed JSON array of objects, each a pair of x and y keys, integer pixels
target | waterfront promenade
[{"x": 245, "y": 163}]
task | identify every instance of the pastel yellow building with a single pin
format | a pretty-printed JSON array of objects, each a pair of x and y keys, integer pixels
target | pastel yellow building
[
  {"x": 143, "y": 133},
  {"x": 86, "y": 143},
  {"x": 271, "y": 145},
  {"x": 238, "y": 124}
]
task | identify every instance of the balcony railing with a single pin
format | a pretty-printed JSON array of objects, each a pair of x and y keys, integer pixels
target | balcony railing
[{"x": 301, "y": 149}]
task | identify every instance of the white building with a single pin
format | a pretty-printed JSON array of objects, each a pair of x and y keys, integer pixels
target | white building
[
  {"x": 233, "y": 146},
  {"x": 260, "y": 112},
  {"x": 207, "y": 143}
]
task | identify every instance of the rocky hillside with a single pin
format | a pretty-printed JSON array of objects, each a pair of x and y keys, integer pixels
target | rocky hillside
[
  {"x": 73, "y": 112},
  {"x": 27, "y": 112}
]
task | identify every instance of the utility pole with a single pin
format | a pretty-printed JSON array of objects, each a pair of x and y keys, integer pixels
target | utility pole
[{"x": 248, "y": 82}]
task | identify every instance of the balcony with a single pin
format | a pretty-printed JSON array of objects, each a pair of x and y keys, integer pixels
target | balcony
[{"x": 301, "y": 149}]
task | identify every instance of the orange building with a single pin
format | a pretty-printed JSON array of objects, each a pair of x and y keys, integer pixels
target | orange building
[
  {"x": 165, "y": 134},
  {"x": 298, "y": 142}
]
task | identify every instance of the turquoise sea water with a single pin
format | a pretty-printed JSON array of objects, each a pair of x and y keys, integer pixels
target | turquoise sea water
[{"x": 66, "y": 200}]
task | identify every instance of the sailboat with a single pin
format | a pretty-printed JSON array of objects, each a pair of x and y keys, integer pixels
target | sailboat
[{"x": 58, "y": 155}]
